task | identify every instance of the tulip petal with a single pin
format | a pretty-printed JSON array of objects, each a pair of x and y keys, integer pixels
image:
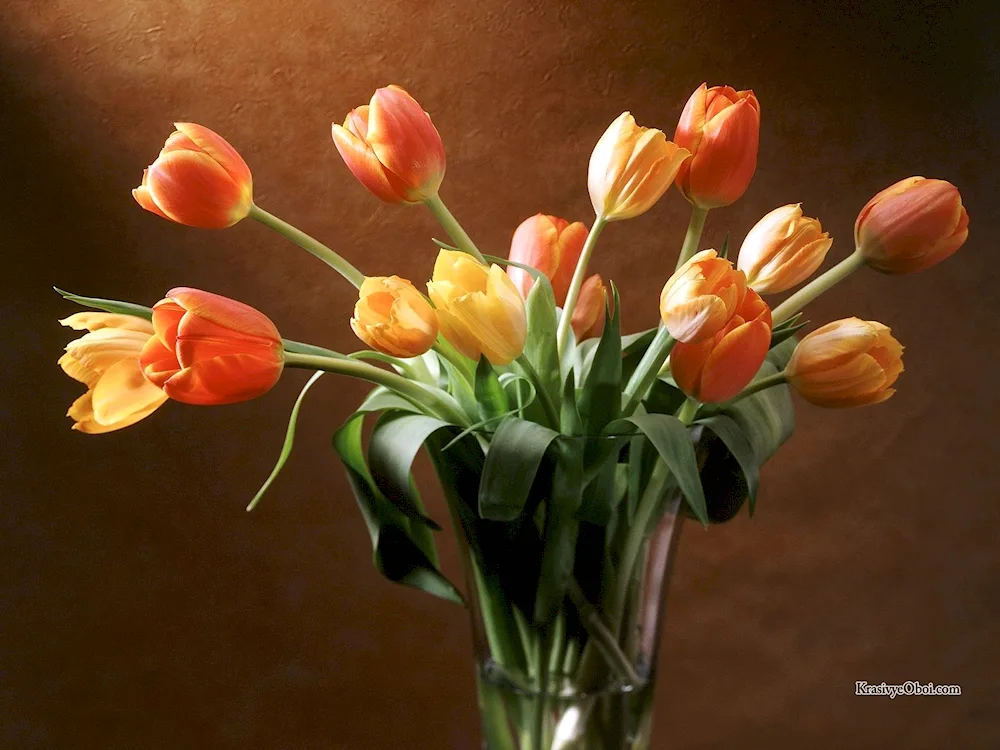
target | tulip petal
[
  {"x": 219, "y": 149},
  {"x": 200, "y": 339},
  {"x": 734, "y": 361},
  {"x": 225, "y": 312},
  {"x": 228, "y": 379},
  {"x": 145, "y": 199},
  {"x": 159, "y": 363},
  {"x": 365, "y": 166},
  {"x": 191, "y": 188},
  {"x": 92, "y": 321},
  {"x": 831, "y": 346},
  {"x": 122, "y": 392},
  {"x": 723, "y": 166}
]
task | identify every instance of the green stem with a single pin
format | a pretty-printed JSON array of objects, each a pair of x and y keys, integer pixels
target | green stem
[
  {"x": 602, "y": 636},
  {"x": 817, "y": 286},
  {"x": 573, "y": 295},
  {"x": 550, "y": 408},
  {"x": 425, "y": 398},
  {"x": 778, "y": 378},
  {"x": 452, "y": 227},
  {"x": 309, "y": 244},
  {"x": 693, "y": 236},
  {"x": 462, "y": 363},
  {"x": 298, "y": 347},
  {"x": 647, "y": 370},
  {"x": 541, "y": 701},
  {"x": 688, "y": 411}
]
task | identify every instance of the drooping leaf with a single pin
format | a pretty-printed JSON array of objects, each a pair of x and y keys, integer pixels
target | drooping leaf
[
  {"x": 516, "y": 451},
  {"x": 108, "y": 305},
  {"x": 396, "y": 553},
  {"x": 730, "y": 473},
  {"x": 286, "y": 448}
]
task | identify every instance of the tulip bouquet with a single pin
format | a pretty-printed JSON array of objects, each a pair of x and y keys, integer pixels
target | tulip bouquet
[{"x": 569, "y": 454}]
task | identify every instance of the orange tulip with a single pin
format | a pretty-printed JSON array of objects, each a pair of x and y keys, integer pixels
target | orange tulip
[
  {"x": 393, "y": 317},
  {"x": 782, "y": 250},
  {"x": 198, "y": 179},
  {"x": 721, "y": 127},
  {"x": 106, "y": 360},
  {"x": 588, "y": 315},
  {"x": 849, "y": 362},
  {"x": 717, "y": 369},
  {"x": 550, "y": 244},
  {"x": 911, "y": 225},
  {"x": 211, "y": 350},
  {"x": 630, "y": 168},
  {"x": 701, "y": 297},
  {"x": 392, "y": 147}
]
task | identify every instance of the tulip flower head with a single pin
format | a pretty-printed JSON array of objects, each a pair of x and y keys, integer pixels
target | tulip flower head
[
  {"x": 198, "y": 179},
  {"x": 106, "y": 360},
  {"x": 782, "y": 250},
  {"x": 211, "y": 350},
  {"x": 392, "y": 147},
  {"x": 721, "y": 128},
  {"x": 550, "y": 244},
  {"x": 701, "y": 297},
  {"x": 630, "y": 168},
  {"x": 849, "y": 362},
  {"x": 718, "y": 368},
  {"x": 589, "y": 313},
  {"x": 911, "y": 225},
  {"x": 393, "y": 317},
  {"x": 479, "y": 308}
]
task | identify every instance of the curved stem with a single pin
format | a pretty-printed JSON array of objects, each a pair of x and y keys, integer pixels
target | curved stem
[
  {"x": 425, "y": 398},
  {"x": 452, "y": 227},
  {"x": 309, "y": 244},
  {"x": 693, "y": 236},
  {"x": 550, "y": 408},
  {"x": 817, "y": 286},
  {"x": 575, "y": 285}
]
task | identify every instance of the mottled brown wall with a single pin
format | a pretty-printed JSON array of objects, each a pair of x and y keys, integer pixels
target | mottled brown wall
[{"x": 140, "y": 607}]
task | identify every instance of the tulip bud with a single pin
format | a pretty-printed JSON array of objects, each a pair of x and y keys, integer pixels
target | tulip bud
[
  {"x": 630, "y": 168},
  {"x": 478, "y": 307},
  {"x": 849, "y": 362},
  {"x": 782, "y": 250},
  {"x": 911, "y": 225},
  {"x": 393, "y": 317},
  {"x": 106, "y": 360},
  {"x": 211, "y": 350},
  {"x": 700, "y": 298},
  {"x": 198, "y": 179},
  {"x": 588, "y": 315},
  {"x": 550, "y": 244},
  {"x": 721, "y": 127},
  {"x": 392, "y": 147},
  {"x": 718, "y": 368}
]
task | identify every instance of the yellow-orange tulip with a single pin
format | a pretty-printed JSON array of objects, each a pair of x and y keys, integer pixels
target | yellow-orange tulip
[
  {"x": 630, "y": 168},
  {"x": 211, "y": 350},
  {"x": 198, "y": 179},
  {"x": 721, "y": 127},
  {"x": 588, "y": 315},
  {"x": 718, "y": 368},
  {"x": 479, "y": 309},
  {"x": 392, "y": 147},
  {"x": 782, "y": 250},
  {"x": 911, "y": 225},
  {"x": 106, "y": 360},
  {"x": 849, "y": 362},
  {"x": 550, "y": 244},
  {"x": 701, "y": 297},
  {"x": 393, "y": 317}
]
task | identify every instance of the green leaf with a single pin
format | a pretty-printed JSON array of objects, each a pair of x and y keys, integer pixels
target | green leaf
[
  {"x": 490, "y": 395},
  {"x": 540, "y": 347},
  {"x": 724, "y": 252},
  {"x": 603, "y": 489},
  {"x": 516, "y": 451},
  {"x": 108, "y": 305},
  {"x": 444, "y": 245},
  {"x": 786, "y": 330},
  {"x": 381, "y": 398},
  {"x": 394, "y": 444},
  {"x": 459, "y": 387},
  {"x": 535, "y": 273},
  {"x": 396, "y": 553},
  {"x": 600, "y": 401},
  {"x": 569, "y": 419},
  {"x": 672, "y": 441},
  {"x": 286, "y": 448}
]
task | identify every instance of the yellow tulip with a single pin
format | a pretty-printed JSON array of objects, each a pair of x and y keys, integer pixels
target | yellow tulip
[
  {"x": 393, "y": 317},
  {"x": 106, "y": 360},
  {"x": 630, "y": 168},
  {"x": 782, "y": 250},
  {"x": 849, "y": 362},
  {"x": 478, "y": 307}
]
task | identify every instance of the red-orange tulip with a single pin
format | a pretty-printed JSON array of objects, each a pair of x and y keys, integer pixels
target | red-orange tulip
[
  {"x": 588, "y": 315},
  {"x": 198, "y": 179},
  {"x": 718, "y": 369},
  {"x": 550, "y": 244},
  {"x": 911, "y": 225},
  {"x": 211, "y": 350},
  {"x": 701, "y": 297},
  {"x": 721, "y": 127},
  {"x": 392, "y": 147}
]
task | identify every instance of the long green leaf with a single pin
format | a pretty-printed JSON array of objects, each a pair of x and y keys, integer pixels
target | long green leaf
[
  {"x": 381, "y": 398},
  {"x": 286, "y": 448},
  {"x": 600, "y": 399},
  {"x": 490, "y": 395},
  {"x": 108, "y": 305},
  {"x": 540, "y": 346},
  {"x": 561, "y": 529},
  {"x": 516, "y": 451}
]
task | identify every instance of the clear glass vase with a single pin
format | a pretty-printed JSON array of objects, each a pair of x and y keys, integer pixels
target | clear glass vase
[{"x": 580, "y": 674}]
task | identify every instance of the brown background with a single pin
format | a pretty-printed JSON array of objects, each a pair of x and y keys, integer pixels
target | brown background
[{"x": 140, "y": 607}]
